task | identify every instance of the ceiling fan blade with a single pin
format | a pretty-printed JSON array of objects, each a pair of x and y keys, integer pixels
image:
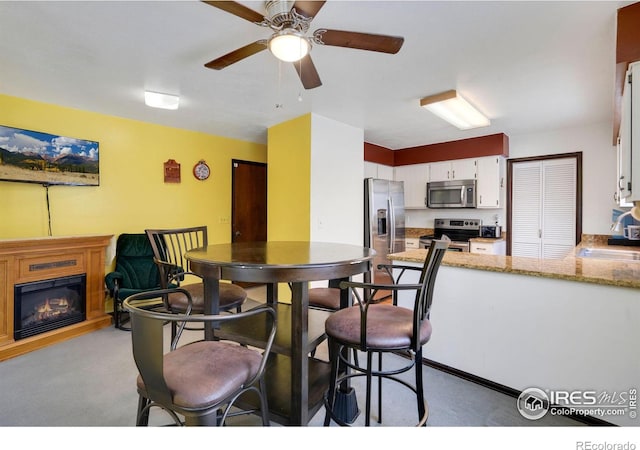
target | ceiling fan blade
[
  {"x": 307, "y": 73},
  {"x": 236, "y": 55},
  {"x": 362, "y": 41},
  {"x": 309, "y": 8},
  {"x": 237, "y": 9}
]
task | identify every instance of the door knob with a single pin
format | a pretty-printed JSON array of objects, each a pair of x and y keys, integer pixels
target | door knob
[{"x": 237, "y": 233}]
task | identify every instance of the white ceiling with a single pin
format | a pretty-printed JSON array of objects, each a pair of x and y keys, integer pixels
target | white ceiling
[{"x": 529, "y": 66}]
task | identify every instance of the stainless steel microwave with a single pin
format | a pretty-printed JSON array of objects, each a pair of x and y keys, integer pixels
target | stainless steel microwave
[{"x": 451, "y": 194}]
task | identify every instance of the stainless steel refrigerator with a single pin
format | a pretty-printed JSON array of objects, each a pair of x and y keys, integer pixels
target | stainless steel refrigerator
[{"x": 383, "y": 222}]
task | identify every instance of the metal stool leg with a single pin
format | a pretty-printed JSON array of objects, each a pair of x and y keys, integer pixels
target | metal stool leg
[
  {"x": 379, "y": 388},
  {"x": 367, "y": 419}
]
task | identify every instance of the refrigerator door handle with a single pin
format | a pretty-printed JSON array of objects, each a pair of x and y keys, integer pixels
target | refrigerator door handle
[{"x": 391, "y": 235}]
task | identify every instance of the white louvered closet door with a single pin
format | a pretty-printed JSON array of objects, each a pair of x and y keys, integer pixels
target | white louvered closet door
[
  {"x": 544, "y": 208},
  {"x": 526, "y": 215},
  {"x": 558, "y": 207}
]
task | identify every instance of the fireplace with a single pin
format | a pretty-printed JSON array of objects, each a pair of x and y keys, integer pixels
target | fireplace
[{"x": 46, "y": 305}]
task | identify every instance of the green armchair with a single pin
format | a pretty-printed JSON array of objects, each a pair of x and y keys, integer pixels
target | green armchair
[{"x": 135, "y": 272}]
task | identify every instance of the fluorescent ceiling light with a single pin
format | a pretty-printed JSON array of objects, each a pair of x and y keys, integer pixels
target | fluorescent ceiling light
[
  {"x": 289, "y": 45},
  {"x": 158, "y": 100},
  {"x": 455, "y": 110}
]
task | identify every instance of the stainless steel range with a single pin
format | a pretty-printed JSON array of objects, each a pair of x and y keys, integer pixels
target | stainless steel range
[{"x": 458, "y": 230}]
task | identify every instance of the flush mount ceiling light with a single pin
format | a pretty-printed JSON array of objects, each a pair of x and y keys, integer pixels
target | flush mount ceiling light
[
  {"x": 289, "y": 45},
  {"x": 159, "y": 100},
  {"x": 451, "y": 107}
]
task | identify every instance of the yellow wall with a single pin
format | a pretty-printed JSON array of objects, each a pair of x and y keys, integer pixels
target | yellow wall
[
  {"x": 132, "y": 194},
  {"x": 289, "y": 180}
]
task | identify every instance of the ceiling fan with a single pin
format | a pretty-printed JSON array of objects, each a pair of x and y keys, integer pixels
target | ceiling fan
[{"x": 290, "y": 22}]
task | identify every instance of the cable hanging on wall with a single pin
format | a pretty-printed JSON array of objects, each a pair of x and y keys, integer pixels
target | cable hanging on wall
[{"x": 46, "y": 188}]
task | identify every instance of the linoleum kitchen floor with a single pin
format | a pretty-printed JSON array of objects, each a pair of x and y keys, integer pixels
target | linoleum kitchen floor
[{"x": 90, "y": 381}]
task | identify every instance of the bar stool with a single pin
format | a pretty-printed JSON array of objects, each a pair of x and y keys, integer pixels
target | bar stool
[
  {"x": 197, "y": 383},
  {"x": 382, "y": 328},
  {"x": 169, "y": 248}
]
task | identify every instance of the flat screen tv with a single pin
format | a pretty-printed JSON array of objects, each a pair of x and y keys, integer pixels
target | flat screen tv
[{"x": 35, "y": 157}]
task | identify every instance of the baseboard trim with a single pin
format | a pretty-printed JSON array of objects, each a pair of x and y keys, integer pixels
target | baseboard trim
[{"x": 588, "y": 420}]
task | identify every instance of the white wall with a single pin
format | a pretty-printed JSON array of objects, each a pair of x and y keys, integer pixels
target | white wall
[
  {"x": 598, "y": 169},
  {"x": 336, "y": 181}
]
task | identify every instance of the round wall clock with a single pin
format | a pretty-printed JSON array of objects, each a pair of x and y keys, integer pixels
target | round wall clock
[{"x": 201, "y": 170}]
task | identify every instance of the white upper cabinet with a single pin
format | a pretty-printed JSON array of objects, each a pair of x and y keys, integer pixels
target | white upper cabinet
[
  {"x": 385, "y": 172},
  {"x": 415, "y": 177},
  {"x": 628, "y": 157},
  {"x": 623, "y": 178},
  {"x": 375, "y": 170},
  {"x": 491, "y": 182},
  {"x": 459, "y": 169}
]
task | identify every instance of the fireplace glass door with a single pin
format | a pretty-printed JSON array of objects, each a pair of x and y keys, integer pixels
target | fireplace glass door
[{"x": 46, "y": 305}]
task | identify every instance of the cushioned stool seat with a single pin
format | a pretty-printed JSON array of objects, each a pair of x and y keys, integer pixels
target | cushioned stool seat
[
  {"x": 216, "y": 369},
  {"x": 325, "y": 298},
  {"x": 231, "y": 297},
  {"x": 388, "y": 327}
]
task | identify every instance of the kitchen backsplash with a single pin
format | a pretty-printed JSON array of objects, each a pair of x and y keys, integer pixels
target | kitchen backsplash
[
  {"x": 423, "y": 218},
  {"x": 417, "y": 232}
]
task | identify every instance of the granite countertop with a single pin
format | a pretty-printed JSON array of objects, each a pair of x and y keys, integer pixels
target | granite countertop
[
  {"x": 590, "y": 270},
  {"x": 415, "y": 233}
]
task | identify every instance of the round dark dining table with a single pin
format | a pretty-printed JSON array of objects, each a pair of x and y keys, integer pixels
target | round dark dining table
[{"x": 295, "y": 263}]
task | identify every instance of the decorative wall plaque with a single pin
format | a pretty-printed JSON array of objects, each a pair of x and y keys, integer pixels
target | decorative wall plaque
[{"x": 171, "y": 171}]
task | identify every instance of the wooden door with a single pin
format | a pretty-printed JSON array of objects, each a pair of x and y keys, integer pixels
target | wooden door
[{"x": 249, "y": 201}]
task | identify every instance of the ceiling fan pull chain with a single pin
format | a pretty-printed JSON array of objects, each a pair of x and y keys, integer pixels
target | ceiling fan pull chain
[
  {"x": 300, "y": 71},
  {"x": 279, "y": 95}
]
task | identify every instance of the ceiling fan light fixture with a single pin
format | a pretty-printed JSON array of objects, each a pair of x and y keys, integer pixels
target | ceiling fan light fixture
[
  {"x": 451, "y": 107},
  {"x": 159, "y": 100},
  {"x": 289, "y": 45}
]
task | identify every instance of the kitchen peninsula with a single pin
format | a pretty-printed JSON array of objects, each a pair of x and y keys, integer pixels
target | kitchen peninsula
[{"x": 568, "y": 324}]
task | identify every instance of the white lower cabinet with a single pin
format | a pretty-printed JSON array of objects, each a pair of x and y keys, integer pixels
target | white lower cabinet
[{"x": 489, "y": 248}]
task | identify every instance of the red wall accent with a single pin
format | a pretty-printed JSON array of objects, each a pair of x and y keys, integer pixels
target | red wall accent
[
  {"x": 628, "y": 34},
  {"x": 377, "y": 154},
  {"x": 494, "y": 144}
]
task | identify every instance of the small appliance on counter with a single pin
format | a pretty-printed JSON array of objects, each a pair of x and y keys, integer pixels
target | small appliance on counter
[{"x": 490, "y": 231}]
